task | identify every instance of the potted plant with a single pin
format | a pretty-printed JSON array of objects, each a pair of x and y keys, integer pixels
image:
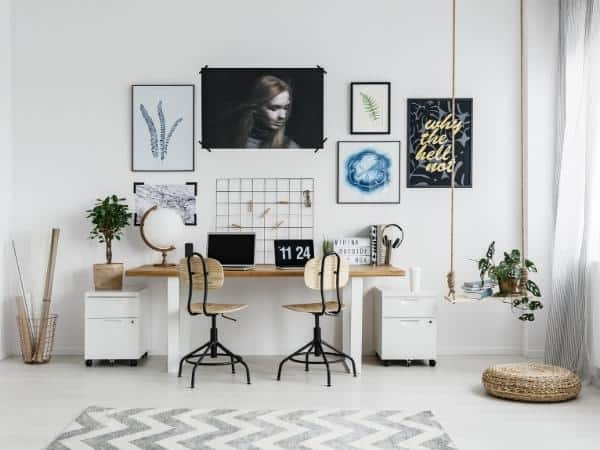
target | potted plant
[
  {"x": 507, "y": 273},
  {"x": 109, "y": 217}
]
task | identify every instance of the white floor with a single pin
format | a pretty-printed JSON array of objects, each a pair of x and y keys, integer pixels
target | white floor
[{"x": 37, "y": 402}]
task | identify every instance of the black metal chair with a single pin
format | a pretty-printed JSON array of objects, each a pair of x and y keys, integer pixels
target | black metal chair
[
  {"x": 324, "y": 274},
  {"x": 207, "y": 274}
]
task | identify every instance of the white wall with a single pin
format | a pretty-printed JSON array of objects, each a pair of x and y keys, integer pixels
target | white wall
[
  {"x": 74, "y": 63},
  {"x": 542, "y": 79},
  {"x": 6, "y": 337}
]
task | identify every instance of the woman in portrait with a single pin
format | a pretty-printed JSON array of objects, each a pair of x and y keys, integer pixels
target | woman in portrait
[{"x": 264, "y": 116}]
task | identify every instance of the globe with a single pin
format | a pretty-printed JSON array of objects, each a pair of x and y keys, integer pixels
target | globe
[{"x": 163, "y": 228}]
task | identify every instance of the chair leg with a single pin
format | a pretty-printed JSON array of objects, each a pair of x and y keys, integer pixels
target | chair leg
[
  {"x": 342, "y": 354},
  {"x": 290, "y": 357},
  {"x": 232, "y": 355},
  {"x": 326, "y": 363},
  {"x": 307, "y": 354},
  {"x": 187, "y": 356},
  {"x": 197, "y": 363}
]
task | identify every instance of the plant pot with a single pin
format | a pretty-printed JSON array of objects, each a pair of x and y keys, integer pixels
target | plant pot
[
  {"x": 108, "y": 277},
  {"x": 508, "y": 286}
]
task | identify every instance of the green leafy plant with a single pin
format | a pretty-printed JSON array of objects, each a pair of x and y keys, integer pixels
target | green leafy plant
[
  {"x": 327, "y": 246},
  {"x": 508, "y": 275},
  {"x": 109, "y": 217},
  {"x": 371, "y": 106}
]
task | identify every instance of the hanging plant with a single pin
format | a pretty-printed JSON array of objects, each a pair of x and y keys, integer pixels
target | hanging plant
[{"x": 508, "y": 274}]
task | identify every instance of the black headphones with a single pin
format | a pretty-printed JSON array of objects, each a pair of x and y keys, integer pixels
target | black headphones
[{"x": 397, "y": 241}]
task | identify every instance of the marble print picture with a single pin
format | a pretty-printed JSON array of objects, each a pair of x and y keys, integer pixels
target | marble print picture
[
  {"x": 180, "y": 197},
  {"x": 369, "y": 172}
]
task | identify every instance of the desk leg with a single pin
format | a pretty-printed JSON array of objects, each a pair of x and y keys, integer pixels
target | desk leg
[
  {"x": 172, "y": 324},
  {"x": 352, "y": 320}
]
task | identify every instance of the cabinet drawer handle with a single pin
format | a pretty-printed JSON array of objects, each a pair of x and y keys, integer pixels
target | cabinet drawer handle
[{"x": 113, "y": 320}]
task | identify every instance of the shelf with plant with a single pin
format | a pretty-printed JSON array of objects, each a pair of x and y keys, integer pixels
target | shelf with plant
[{"x": 513, "y": 283}]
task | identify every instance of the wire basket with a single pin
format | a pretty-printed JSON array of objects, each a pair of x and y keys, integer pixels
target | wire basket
[{"x": 27, "y": 339}]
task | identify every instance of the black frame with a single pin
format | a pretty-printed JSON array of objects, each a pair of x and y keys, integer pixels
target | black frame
[
  {"x": 136, "y": 223},
  {"x": 193, "y": 143},
  {"x": 205, "y": 108},
  {"x": 389, "y": 112},
  {"x": 368, "y": 203},
  {"x": 408, "y": 100}
]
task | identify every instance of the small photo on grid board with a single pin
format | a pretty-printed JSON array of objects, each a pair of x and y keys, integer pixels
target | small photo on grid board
[{"x": 272, "y": 208}]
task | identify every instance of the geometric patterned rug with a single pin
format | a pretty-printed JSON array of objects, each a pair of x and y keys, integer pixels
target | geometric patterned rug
[{"x": 158, "y": 429}]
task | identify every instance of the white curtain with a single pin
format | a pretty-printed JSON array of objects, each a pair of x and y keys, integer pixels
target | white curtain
[{"x": 573, "y": 336}]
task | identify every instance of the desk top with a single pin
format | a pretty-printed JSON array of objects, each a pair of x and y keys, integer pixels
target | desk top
[{"x": 268, "y": 271}]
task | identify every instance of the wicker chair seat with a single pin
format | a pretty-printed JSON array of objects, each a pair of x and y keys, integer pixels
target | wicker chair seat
[{"x": 531, "y": 382}]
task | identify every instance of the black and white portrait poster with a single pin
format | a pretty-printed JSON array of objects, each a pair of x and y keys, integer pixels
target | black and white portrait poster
[
  {"x": 262, "y": 108},
  {"x": 429, "y": 142}
]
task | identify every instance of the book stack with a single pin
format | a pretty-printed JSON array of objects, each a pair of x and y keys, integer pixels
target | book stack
[
  {"x": 377, "y": 247},
  {"x": 478, "y": 290}
]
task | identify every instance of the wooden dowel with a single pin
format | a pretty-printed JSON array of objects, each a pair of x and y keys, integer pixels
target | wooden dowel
[
  {"x": 25, "y": 331},
  {"x": 49, "y": 282}
]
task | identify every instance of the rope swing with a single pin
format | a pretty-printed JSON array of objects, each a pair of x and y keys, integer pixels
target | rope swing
[{"x": 452, "y": 296}]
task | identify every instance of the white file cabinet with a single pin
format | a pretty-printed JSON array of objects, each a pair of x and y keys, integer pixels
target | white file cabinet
[
  {"x": 116, "y": 325},
  {"x": 405, "y": 326}
]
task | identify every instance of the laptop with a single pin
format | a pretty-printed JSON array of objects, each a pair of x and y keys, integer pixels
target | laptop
[
  {"x": 293, "y": 253},
  {"x": 235, "y": 251}
]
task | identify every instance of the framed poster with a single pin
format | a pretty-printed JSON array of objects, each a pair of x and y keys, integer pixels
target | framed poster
[
  {"x": 162, "y": 136},
  {"x": 180, "y": 197},
  {"x": 368, "y": 172},
  {"x": 370, "y": 108},
  {"x": 262, "y": 108},
  {"x": 429, "y": 142}
]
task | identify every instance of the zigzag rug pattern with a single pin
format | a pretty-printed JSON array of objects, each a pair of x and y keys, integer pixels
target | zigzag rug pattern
[{"x": 157, "y": 429}]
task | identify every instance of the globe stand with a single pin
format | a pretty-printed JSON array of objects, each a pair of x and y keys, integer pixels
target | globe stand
[{"x": 162, "y": 250}]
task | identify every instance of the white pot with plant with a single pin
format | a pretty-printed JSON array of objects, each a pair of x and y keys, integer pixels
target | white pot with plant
[{"x": 109, "y": 218}]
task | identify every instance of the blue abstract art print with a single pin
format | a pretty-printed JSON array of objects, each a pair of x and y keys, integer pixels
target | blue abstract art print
[{"x": 368, "y": 172}]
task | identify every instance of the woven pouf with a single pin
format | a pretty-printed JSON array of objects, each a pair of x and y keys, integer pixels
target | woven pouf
[{"x": 531, "y": 382}]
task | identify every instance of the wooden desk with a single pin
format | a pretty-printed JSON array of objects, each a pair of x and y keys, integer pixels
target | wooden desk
[{"x": 352, "y": 295}]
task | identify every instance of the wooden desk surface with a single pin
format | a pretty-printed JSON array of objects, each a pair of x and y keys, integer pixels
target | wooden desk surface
[{"x": 268, "y": 271}]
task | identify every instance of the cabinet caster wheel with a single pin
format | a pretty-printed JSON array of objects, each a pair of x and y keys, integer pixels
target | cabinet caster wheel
[
  {"x": 88, "y": 363},
  {"x": 386, "y": 363},
  {"x": 432, "y": 363},
  {"x": 145, "y": 355},
  {"x": 133, "y": 363}
]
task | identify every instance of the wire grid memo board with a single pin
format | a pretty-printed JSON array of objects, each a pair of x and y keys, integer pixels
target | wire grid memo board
[{"x": 273, "y": 208}]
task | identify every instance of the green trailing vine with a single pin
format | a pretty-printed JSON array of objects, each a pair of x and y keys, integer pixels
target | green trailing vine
[{"x": 509, "y": 268}]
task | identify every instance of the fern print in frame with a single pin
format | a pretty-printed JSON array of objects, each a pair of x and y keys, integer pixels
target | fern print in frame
[
  {"x": 371, "y": 107},
  {"x": 163, "y": 128},
  {"x": 159, "y": 148},
  {"x": 370, "y": 111}
]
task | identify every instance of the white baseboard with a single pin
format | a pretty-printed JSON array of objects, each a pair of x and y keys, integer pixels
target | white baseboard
[
  {"x": 535, "y": 353},
  {"x": 480, "y": 351}
]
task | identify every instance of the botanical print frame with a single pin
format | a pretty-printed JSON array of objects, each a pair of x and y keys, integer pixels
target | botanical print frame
[
  {"x": 263, "y": 108},
  {"x": 429, "y": 142},
  {"x": 368, "y": 172},
  {"x": 162, "y": 119},
  {"x": 180, "y": 197},
  {"x": 370, "y": 109}
]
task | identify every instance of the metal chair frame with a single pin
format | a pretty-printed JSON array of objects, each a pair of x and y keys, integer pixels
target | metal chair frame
[
  {"x": 317, "y": 344},
  {"x": 211, "y": 348}
]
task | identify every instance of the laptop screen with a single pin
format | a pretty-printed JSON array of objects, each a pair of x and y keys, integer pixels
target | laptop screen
[{"x": 235, "y": 249}]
